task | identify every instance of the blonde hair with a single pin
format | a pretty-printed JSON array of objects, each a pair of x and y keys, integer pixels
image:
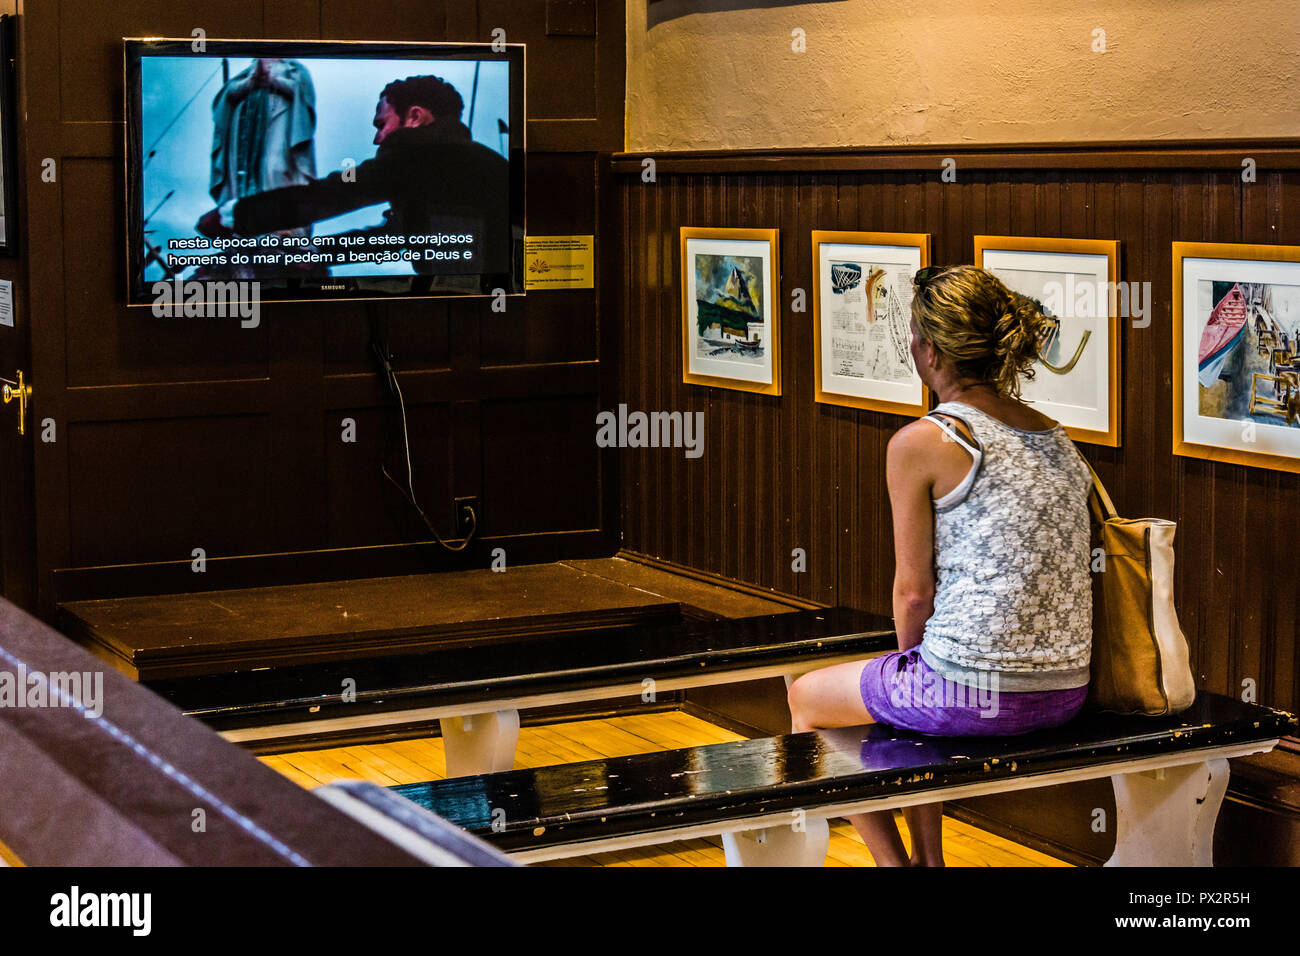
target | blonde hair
[{"x": 986, "y": 331}]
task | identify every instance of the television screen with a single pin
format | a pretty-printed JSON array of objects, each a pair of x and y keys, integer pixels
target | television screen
[{"x": 317, "y": 170}]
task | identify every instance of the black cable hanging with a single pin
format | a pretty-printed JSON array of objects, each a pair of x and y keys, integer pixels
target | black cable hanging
[{"x": 379, "y": 346}]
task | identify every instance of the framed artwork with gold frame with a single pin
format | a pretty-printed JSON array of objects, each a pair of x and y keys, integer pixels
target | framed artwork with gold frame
[
  {"x": 1077, "y": 375},
  {"x": 731, "y": 335},
  {"x": 862, "y": 315},
  {"x": 1236, "y": 357}
]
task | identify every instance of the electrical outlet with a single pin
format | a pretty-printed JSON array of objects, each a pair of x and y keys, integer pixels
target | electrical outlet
[{"x": 467, "y": 515}]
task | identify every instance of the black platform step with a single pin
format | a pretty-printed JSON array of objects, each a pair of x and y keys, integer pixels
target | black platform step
[{"x": 555, "y": 663}]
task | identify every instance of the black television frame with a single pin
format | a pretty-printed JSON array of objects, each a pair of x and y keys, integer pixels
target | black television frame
[{"x": 134, "y": 48}]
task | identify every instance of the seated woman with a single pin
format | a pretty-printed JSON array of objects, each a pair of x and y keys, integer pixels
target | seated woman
[{"x": 992, "y": 594}]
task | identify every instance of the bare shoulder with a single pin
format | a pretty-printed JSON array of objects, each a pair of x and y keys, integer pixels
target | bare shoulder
[
  {"x": 913, "y": 441},
  {"x": 1041, "y": 422},
  {"x": 1015, "y": 413},
  {"x": 914, "y": 454}
]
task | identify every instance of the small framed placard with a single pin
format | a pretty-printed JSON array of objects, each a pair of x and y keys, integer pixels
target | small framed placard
[
  {"x": 862, "y": 314},
  {"x": 559, "y": 262}
]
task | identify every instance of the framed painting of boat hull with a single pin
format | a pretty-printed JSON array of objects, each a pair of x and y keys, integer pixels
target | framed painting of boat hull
[
  {"x": 1236, "y": 357},
  {"x": 730, "y": 328},
  {"x": 1076, "y": 377},
  {"x": 862, "y": 312}
]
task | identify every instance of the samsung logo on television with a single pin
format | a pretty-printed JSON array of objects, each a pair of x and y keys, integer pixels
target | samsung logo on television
[{"x": 333, "y": 288}]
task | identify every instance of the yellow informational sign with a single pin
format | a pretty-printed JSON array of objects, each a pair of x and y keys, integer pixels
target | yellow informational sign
[{"x": 559, "y": 262}]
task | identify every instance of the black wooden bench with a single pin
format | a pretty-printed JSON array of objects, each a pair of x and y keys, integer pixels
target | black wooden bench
[
  {"x": 476, "y": 692},
  {"x": 770, "y": 798}
]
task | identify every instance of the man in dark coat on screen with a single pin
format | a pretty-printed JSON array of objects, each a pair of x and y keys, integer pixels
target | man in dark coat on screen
[{"x": 434, "y": 176}]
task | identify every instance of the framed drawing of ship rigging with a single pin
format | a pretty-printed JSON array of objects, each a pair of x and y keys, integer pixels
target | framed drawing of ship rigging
[
  {"x": 730, "y": 320},
  {"x": 862, "y": 312},
  {"x": 1076, "y": 281},
  {"x": 1236, "y": 359}
]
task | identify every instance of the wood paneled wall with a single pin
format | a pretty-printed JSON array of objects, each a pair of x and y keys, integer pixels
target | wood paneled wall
[
  {"x": 175, "y": 434},
  {"x": 781, "y": 473}
]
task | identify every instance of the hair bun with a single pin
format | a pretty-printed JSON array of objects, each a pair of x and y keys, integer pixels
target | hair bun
[
  {"x": 1019, "y": 332},
  {"x": 986, "y": 331}
]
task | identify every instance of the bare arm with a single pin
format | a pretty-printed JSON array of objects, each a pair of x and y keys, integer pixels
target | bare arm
[{"x": 910, "y": 484}]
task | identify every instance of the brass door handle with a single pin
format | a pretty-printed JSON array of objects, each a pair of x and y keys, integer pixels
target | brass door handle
[{"x": 21, "y": 391}]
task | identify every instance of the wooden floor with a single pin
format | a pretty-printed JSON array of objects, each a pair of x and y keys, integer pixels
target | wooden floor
[{"x": 413, "y": 761}]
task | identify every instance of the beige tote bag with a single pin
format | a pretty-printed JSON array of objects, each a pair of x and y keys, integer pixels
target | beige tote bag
[{"x": 1140, "y": 660}]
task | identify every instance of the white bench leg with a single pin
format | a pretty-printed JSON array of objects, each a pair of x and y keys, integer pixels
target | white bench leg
[
  {"x": 1166, "y": 817},
  {"x": 780, "y": 845},
  {"x": 480, "y": 743}
]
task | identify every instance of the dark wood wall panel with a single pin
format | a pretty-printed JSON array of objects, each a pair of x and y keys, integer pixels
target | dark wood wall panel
[
  {"x": 109, "y": 344},
  {"x": 785, "y": 472},
  {"x": 364, "y": 508},
  {"x": 183, "y": 433},
  {"x": 527, "y": 445},
  {"x": 159, "y": 489},
  {"x": 558, "y": 326},
  {"x": 576, "y": 91},
  {"x": 419, "y": 336},
  {"x": 555, "y": 95},
  {"x": 90, "y": 33},
  {"x": 393, "y": 20}
]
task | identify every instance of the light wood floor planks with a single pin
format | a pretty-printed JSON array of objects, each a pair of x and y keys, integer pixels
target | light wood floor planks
[{"x": 411, "y": 761}]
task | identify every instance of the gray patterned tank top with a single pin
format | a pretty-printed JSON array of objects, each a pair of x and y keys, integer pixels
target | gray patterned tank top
[{"x": 1013, "y": 592}]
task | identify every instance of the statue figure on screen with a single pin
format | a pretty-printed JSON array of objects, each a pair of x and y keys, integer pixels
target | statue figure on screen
[
  {"x": 263, "y": 130},
  {"x": 263, "y": 135}
]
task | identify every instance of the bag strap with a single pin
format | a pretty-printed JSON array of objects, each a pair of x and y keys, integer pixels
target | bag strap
[
  {"x": 1099, "y": 501},
  {"x": 952, "y": 432}
]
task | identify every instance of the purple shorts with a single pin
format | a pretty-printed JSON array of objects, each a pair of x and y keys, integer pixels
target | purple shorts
[{"x": 901, "y": 690}]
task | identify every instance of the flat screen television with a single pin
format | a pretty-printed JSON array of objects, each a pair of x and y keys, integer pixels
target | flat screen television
[{"x": 325, "y": 170}]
